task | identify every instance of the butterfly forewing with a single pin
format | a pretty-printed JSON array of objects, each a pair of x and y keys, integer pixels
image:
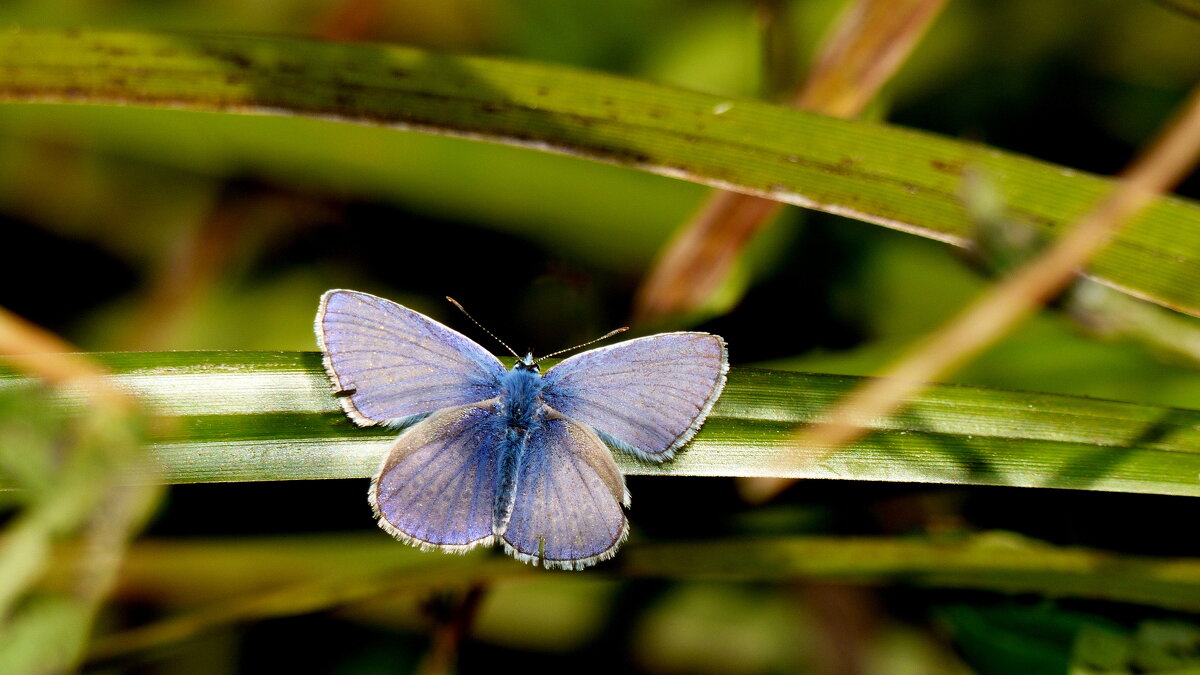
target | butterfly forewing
[
  {"x": 566, "y": 510},
  {"x": 437, "y": 487},
  {"x": 390, "y": 362},
  {"x": 650, "y": 394}
]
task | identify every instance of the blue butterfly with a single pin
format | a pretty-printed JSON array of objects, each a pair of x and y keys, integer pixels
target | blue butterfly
[{"x": 493, "y": 455}]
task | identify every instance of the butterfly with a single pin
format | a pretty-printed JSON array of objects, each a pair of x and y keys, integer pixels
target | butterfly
[{"x": 490, "y": 454}]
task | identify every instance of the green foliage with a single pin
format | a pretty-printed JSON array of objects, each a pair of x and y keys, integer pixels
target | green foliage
[
  {"x": 1012, "y": 638},
  {"x": 889, "y": 176},
  {"x": 64, "y": 466},
  {"x": 193, "y": 230}
]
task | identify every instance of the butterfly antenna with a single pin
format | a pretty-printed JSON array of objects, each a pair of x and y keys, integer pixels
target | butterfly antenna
[
  {"x": 460, "y": 308},
  {"x": 607, "y": 335}
]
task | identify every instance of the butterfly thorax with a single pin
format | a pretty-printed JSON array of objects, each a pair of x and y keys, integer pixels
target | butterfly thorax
[{"x": 520, "y": 395}]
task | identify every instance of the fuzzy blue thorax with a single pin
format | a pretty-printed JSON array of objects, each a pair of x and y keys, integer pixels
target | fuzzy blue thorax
[{"x": 520, "y": 393}]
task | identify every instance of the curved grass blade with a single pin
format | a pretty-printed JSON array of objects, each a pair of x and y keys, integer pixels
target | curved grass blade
[
  {"x": 251, "y": 416},
  {"x": 876, "y": 173}
]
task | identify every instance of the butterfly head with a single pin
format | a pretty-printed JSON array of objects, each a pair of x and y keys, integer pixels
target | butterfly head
[{"x": 527, "y": 363}]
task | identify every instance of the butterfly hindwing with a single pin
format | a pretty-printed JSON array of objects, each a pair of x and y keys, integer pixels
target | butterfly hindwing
[
  {"x": 391, "y": 363},
  {"x": 566, "y": 510},
  {"x": 437, "y": 486},
  {"x": 650, "y": 394}
]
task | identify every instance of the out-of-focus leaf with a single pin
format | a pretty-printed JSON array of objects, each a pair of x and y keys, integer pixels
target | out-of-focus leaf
[
  {"x": 1166, "y": 646},
  {"x": 996, "y": 561},
  {"x": 1188, "y": 7},
  {"x": 47, "y": 636},
  {"x": 245, "y": 580},
  {"x": 270, "y": 416},
  {"x": 1013, "y": 639},
  {"x": 879, "y": 174},
  {"x": 69, "y": 471},
  {"x": 1007, "y": 638}
]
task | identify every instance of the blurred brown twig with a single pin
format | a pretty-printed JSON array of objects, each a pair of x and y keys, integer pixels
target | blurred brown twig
[
  {"x": 867, "y": 46},
  {"x": 90, "y": 503}
]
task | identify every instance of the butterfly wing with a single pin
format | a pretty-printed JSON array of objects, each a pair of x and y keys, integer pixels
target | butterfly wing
[
  {"x": 392, "y": 363},
  {"x": 566, "y": 507},
  {"x": 647, "y": 396},
  {"x": 437, "y": 487}
]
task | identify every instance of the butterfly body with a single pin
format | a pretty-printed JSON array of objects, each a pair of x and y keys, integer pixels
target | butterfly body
[
  {"x": 493, "y": 455},
  {"x": 518, "y": 417},
  {"x": 520, "y": 394}
]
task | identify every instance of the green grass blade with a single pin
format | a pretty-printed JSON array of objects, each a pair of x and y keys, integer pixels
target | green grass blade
[
  {"x": 994, "y": 561},
  {"x": 241, "y": 581},
  {"x": 880, "y": 174},
  {"x": 250, "y": 416}
]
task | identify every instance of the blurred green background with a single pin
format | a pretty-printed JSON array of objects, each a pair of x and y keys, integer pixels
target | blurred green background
[{"x": 132, "y": 229}]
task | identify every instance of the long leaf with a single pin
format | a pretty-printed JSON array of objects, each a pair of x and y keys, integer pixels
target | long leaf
[
  {"x": 250, "y": 416},
  {"x": 199, "y": 571},
  {"x": 880, "y": 174},
  {"x": 231, "y": 582}
]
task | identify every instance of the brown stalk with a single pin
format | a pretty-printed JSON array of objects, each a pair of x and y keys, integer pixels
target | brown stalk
[
  {"x": 244, "y": 218},
  {"x": 1009, "y": 301},
  {"x": 40, "y": 353},
  {"x": 183, "y": 276},
  {"x": 449, "y": 634},
  {"x": 869, "y": 43},
  {"x": 350, "y": 20}
]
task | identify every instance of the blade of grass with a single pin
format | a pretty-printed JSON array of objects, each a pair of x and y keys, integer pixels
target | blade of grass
[
  {"x": 302, "y": 575},
  {"x": 885, "y": 175},
  {"x": 247, "y": 416}
]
